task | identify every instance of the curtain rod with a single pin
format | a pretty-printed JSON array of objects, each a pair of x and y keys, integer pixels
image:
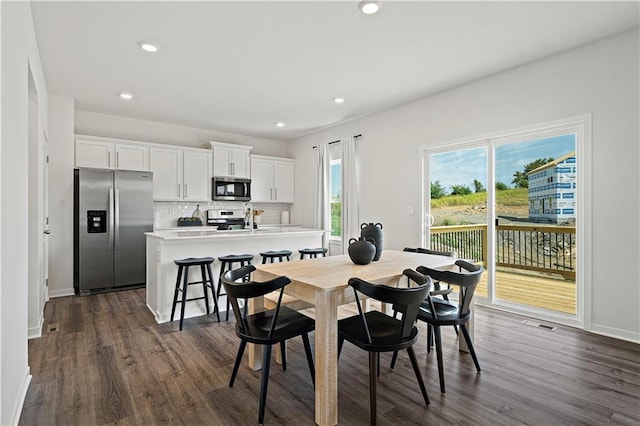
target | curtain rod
[{"x": 330, "y": 143}]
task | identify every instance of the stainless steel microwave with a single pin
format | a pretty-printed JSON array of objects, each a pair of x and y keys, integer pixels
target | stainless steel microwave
[{"x": 231, "y": 189}]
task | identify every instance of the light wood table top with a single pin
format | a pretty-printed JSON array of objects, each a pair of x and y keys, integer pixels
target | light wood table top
[{"x": 324, "y": 282}]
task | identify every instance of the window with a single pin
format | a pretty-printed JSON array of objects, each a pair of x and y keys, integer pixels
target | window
[{"x": 335, "y": 183}]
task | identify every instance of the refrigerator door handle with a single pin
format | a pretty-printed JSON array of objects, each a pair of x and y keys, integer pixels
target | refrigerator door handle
[
  {"x": 116, "y": 228},
  {"x": 111, "y": 221}
]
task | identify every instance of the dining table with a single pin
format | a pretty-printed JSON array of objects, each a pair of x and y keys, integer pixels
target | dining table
[{"x": 323, "y": 282}]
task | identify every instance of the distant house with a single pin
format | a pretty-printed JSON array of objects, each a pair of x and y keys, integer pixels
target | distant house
[{"x": 552, "y": 190}]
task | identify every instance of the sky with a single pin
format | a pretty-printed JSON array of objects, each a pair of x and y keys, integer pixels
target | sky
[{"x": 461, "y": 167}]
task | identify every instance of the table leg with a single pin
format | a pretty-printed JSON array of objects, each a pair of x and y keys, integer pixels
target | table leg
[{"x": 326, "y": 352}]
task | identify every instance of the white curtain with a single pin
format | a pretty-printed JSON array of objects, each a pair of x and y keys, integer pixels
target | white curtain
[
  {"x": 350, "y": 191},
  {"x": 323, "y": 206}
]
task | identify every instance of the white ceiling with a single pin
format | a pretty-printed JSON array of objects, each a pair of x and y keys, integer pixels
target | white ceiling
[{"x": 240, "y": 66}]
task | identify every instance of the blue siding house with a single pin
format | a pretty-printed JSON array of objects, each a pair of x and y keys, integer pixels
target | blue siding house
[{"x": 552, "y": 190}]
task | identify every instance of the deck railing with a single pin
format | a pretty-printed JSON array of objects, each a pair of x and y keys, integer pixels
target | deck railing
[{"x": 542, "y": 248}]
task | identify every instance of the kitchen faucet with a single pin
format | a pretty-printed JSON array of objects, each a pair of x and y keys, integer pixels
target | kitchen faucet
[{"x": 247, "y": 207}]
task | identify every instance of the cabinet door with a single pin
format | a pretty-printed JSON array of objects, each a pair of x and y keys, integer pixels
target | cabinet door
[
  {"x": 132, "y": 157},
  {"x": 221, "y": 161},
  {"x": 166, "y": 165},
  {"x": 261, "y": 185},
  {"x": 197, "y": 176},
  {"x": 240, "y": 163},
  {"x": 283, "y": 176},
  {"x": 94, "y": 154}
]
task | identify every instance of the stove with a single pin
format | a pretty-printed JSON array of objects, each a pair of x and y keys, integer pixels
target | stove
[{"x": 226, "y": 219}]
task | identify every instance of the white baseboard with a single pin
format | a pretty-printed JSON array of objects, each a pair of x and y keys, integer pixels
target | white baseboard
[
  {"x": 616, "y": 333},
  {"x": 21, "y": 397},
  {"x": 61, "y": 293},
  {"x": 35, "y": 332}
]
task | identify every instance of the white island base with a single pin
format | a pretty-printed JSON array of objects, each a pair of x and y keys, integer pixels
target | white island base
[{"x": 163, "y": 247}]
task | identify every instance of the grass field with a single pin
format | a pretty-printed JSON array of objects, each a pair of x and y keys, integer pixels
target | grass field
[{"x": 507, "y": 197}]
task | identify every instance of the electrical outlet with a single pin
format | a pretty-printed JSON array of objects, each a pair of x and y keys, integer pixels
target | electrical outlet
[{"x": 411, "y": 210}]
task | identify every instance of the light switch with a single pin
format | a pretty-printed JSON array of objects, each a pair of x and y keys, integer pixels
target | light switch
[{"x": 411, "y": 210}]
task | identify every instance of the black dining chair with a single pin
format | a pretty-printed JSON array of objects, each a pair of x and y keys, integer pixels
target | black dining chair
[
  {"x": 437, "y": 312},
  {"x": 265, "y": 328},
  {"x": 376, "y": 332},
  {"x": 437, "y": 291}
]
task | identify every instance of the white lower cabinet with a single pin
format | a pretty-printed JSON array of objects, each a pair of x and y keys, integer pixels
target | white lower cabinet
[
  {"x": 272, "y": 179},
  {"x": 181, "y": 174}
]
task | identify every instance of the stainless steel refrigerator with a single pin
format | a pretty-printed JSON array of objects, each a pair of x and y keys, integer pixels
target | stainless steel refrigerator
[{"x": 113, "y": 209}]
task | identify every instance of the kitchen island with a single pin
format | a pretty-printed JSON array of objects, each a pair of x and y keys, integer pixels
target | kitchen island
[{"x": 163, "y": 247}]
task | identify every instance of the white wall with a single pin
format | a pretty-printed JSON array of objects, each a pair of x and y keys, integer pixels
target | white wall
[
  {"x": 61, "y": 154},
  {"x": 601, "y": 78},
  {"x": 96, "y": 124},
  {"x": 18, "y": 49},
  {"x": 64, "y": 123}
]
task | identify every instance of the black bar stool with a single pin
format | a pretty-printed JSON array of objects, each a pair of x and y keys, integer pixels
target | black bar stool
[
  {"x": 207, "y": 281},
  {"x": 226, "y": 264},
  {"x": 313, "y": 252},
  {"x": 271, "y": 255}
]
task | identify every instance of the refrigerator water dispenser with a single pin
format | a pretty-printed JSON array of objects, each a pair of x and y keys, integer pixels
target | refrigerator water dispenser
[{"x": 96, "y": 221}]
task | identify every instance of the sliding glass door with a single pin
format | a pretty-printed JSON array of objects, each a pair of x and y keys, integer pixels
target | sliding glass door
[
  {"x": 458, "y": 213},
  {"x": 512, "y": 203}
]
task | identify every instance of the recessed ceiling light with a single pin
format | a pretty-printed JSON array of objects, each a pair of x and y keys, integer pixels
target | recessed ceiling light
[
  {"x": 338, "y": 100},
  {"x": 148, "y": 47},
  {"x": 126, "y": 96},
  {"x": 369, "y": 7},
  {"x": 280, "y": 124}
]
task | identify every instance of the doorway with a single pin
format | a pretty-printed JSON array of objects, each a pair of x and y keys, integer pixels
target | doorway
[
  {"x": 513, "y": 201},
  {"x": 37, "y": 213}
]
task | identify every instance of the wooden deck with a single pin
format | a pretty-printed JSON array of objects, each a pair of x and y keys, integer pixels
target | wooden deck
[{"x": 556, "y": 294}]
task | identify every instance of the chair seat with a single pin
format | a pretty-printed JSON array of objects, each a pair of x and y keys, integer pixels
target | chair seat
[
  {"x": 290, "y": 324},
  {"x": 447, "y": 313},
  {"x": 276, "y": 253},
  {"x": 191, "y": 261},
  {"x": 385, "y": 332},
  {"x": 318, "y": 250},
  {"x": 236, "y": 258}
]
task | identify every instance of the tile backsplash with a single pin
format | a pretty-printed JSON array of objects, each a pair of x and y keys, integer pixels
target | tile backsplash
[{"x": 166, "y": 213}]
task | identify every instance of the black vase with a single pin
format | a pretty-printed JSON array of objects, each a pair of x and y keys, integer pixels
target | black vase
[
  {"x": 373, "y": 232},
  {"x": 361, "y": 251}
]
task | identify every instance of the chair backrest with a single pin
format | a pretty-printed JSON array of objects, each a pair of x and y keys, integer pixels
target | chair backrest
[
  {"x": 248, "y": 290},
  {"x": 467, "y": 279},
  {"x": 407, "y": 299},
  {"x": 429, "y": 251}
]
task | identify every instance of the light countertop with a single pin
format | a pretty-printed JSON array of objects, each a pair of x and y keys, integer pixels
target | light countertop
[{"x": 188, "y": 233}]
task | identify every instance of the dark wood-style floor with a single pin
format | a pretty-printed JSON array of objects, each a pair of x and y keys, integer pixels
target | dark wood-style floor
[{"x": 110, "y": 363}]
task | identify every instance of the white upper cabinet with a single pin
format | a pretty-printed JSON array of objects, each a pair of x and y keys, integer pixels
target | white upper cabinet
[
  {"x": 181, "y": 174},
  {"x": 166, "y": 165},
  {"x": 231, "y": 160},
  {"x": 132, "y": 157},
  {"x": 96, "y": 154},
  {"x": 261, "y": 179},
  {"x": 113, "y": 154},
  {"x": 272, "y": 179},
  {"x": 197, "y": 175},
  {"x": 283, "y": 177}
]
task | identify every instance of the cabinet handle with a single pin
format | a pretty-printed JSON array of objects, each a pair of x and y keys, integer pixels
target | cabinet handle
[
  {"x": 178, "y": 190},
  {"x": 271, "y": 193},
  {"x": 185, "y": 191},
  {"x": 229, "y": 168},
  {"x": 117, "y": 159},
  {"x": 233, "y": 169}
]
